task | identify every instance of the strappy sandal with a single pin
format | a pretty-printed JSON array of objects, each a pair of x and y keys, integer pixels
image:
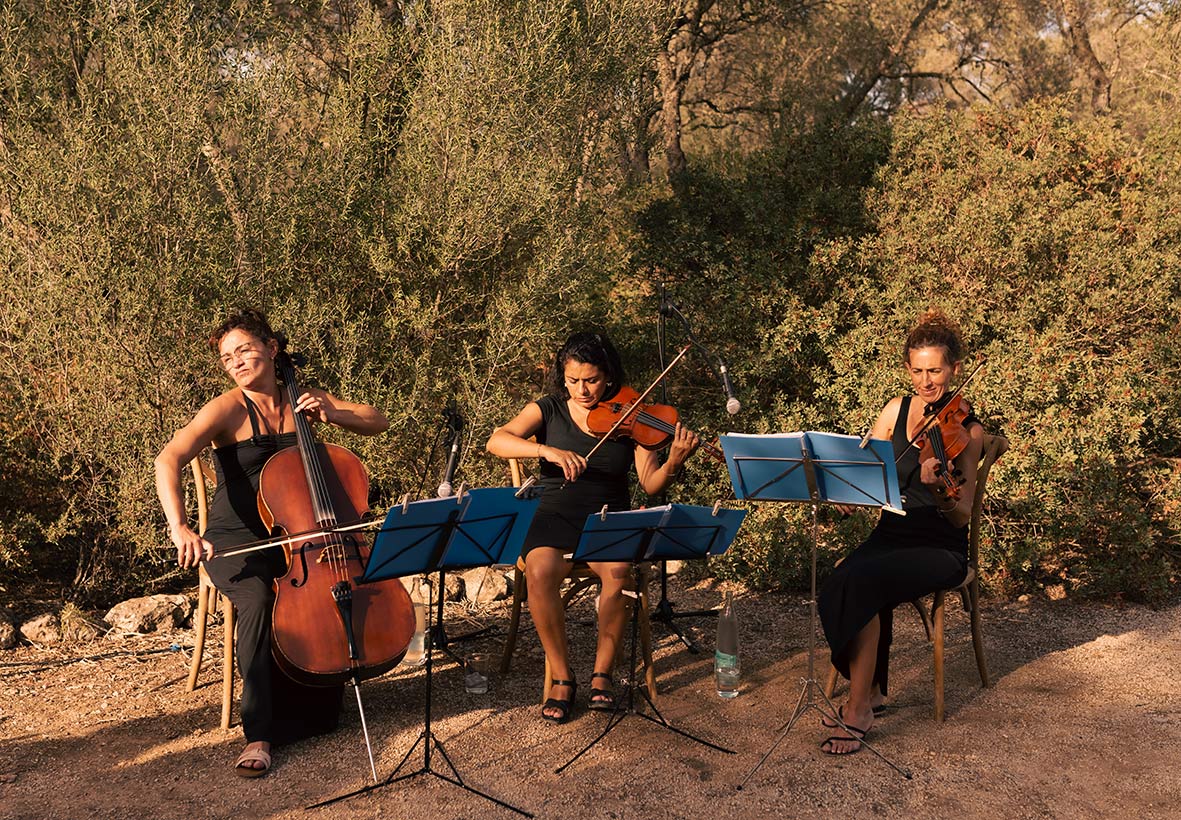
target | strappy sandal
[
  {"x": 829, "y": 723},
  {"x": 855, "y": 734},
  {"x": 242, "y": 766},
  {"x": 602, "y": 700},
  {"x": 565, "y": 707}
]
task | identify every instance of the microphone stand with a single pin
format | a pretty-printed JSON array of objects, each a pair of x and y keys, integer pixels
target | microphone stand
[
  {"x": 453, "y": 425},
  {"x": 664, "y": 612}
]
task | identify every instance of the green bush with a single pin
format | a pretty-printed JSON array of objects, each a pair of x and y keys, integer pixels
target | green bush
[{"x": 429, "y": 202}]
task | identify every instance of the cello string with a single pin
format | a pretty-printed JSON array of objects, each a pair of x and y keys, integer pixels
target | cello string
[{"x": 332, "y": 545}]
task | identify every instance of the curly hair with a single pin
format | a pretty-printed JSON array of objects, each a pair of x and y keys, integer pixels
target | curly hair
[
  {"x": 587, "y": 348},
  {"x": 251, "y": 321},
  {"x": 935, "y": 330}
]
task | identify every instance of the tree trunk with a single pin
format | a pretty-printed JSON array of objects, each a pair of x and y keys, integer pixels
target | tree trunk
[
  {"x": 1089, "y": 75},
  {"x": 670, "y": 120},
  {"x": 890, "y": 56}
]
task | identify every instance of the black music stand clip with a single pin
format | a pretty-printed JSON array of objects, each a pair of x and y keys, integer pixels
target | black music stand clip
[
  {"x": 672, "y": 531},
  {"x": 475, "y": 528},
  {"x": 814, "y": 468}
]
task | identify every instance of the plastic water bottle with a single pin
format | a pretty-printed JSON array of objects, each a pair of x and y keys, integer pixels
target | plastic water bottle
[
  {"x": 727, "y": 672},
  {"x": 416, "y": 651}
]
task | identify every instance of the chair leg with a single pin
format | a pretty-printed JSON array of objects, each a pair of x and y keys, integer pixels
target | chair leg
[
  {"x": 646, "y": 643},
  {"x": 514, "y": 624},
  {"x": 547, "y": 681},
  {"x": 227, "y": 665},
  {"x": 926, "y": 619},
  {"x": 831, "y": 685},
  {"x": 204, "y": 593},
  {"x": 937, "y": 613},
  {"x": 978, "y": 634}
]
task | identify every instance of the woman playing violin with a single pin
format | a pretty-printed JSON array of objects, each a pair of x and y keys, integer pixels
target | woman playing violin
[
  {"x": 908, "y": 556},
  {"x": 586, "y": 371},
  {"x": 247, "y": 425}
]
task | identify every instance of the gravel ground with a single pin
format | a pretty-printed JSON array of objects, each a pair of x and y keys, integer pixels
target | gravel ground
[{"x": 1083, "y": 720}]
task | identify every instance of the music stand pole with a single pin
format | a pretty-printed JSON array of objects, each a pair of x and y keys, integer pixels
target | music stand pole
[{"x": 806, "y": 702}]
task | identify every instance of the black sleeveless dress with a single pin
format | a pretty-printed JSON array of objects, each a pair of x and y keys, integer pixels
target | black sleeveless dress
[
  {"x": 563, "y": 509},
  {"x": 904, "y": 558},
  {"x": 274, "y": 708}
]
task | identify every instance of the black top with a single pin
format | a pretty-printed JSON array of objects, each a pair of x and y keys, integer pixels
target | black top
[
  {"x": 923, "y": 524},
  {"x": 563, "y": 509},
  {"x": 233, "y": 514}
]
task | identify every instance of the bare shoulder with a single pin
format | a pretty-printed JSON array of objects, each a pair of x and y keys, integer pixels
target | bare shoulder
[
  {"x": 883, "y": 428},
  {"x": 221, "y": 416}
]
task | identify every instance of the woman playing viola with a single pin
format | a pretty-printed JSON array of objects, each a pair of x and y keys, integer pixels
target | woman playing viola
[
  {"x": 586, "y": 371},
  {"x": 904, "y": 557},
  {"x": 247, "y": 425}
]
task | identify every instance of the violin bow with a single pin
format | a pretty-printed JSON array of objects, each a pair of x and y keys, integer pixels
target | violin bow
[
  {"x": 639, "y": 401},
  {"x": 935, "y": 415}
]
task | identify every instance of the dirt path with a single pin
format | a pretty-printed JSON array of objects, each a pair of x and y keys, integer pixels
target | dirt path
[{"x": 1083, "y": 720}]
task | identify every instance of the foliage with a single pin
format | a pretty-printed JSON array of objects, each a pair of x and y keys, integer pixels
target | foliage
[
  {"x": 400, "y": 202},
  {"x": 427, "y": 197}
]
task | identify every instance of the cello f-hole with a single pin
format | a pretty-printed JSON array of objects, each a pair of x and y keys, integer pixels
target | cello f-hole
[{"x": 303, "y": 565}]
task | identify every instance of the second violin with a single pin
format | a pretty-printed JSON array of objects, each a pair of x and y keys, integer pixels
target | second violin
[{"x": 649, "y": 425}]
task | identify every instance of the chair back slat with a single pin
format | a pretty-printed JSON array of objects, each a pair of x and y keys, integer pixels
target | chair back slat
[
  {"x": 203, "y": 478},
  {"x": 994, "y": 448}
]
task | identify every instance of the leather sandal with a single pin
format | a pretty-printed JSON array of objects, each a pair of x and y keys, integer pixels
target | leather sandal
[
  {"x": 602, "y": 700},
  {"x": 565, "y": 706}
]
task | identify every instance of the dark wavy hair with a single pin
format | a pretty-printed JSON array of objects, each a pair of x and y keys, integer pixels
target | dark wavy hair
[
  {"x": 587, "y": 348},
  {"x": 250, "y": 320},
  {"x": 935, "y": 330}
]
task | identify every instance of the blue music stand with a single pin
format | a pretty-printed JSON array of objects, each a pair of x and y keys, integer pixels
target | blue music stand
[
  {"x": 672, "y": 531},
  {"x": 473, "y": 529},
  {"x": 814, "y": 468}
]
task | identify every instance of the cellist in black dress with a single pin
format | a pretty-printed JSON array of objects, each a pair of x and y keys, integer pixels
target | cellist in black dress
[
  {"x": 904, "y": 557},
  {"x": 247, "y": 425},
  {"x": 586, "y": 370}
]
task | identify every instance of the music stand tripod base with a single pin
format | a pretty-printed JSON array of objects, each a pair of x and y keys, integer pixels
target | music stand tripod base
[
  {"x": 635, "y": 536},
  {"x": 810, "y": 468},
  {"x": 434, "y": 536}
]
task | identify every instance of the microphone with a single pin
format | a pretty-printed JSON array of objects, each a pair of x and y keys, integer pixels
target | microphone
[
  {"x": 455, "y": 422},
  {"x": 732, "y": 403},
  {"x": 445, "y": 489}
]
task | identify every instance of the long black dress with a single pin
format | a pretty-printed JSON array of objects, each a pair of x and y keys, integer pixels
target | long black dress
[
  {"x": 904, "y": 558},
  {"x": 563, "y": 509},
  {"x": 274, "y": 708}
]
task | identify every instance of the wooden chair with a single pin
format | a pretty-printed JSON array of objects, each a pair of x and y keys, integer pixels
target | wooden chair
[
  {"x": 969, "y": 588},
  {"x": 582, "y": 578},
  {"x": 207, "y": 600}
]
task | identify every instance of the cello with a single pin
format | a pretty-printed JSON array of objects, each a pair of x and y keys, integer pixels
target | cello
[{"x": 327, "y": 628}]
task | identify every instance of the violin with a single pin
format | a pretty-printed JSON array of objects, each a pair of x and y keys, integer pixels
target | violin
[
  {"x": 944, "y": 438},
  {"x": 651, "y": 426},
  {"x": 327, "y": 628}
]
